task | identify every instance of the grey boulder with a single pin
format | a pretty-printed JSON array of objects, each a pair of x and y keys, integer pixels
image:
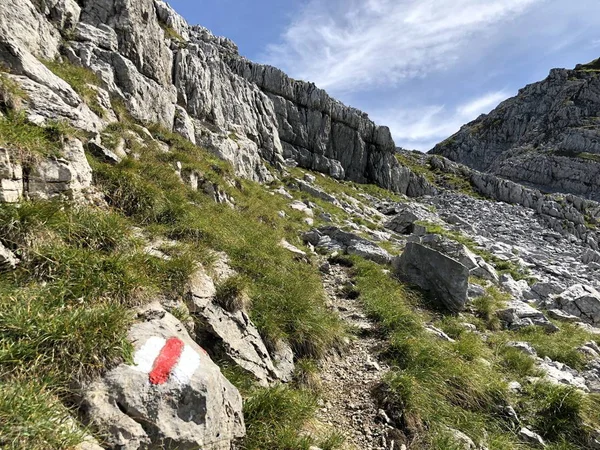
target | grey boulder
[
  {"x": 192, "y": 409},
  {"x": 446, "y": 278},
  {"x": 331, "y": 238},
  {"x": 519, "y": 314},
  {"x": 581, "y": 301}
]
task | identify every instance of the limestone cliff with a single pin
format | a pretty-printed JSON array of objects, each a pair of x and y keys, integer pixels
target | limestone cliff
[
  {"x": 548, "y": 136},
  {"x": 186, "y": 79}
]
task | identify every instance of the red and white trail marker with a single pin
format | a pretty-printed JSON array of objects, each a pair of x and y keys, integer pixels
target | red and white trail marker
[{"x": 166, "y": 359}]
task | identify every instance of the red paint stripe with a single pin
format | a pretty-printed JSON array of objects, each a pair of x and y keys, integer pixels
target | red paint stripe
[{"x": 166, "y": 360}]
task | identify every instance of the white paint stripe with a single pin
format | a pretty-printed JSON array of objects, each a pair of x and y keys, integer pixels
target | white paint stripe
[
  {"x": 144, "y": 358},
  {"x": 187, "y": 365}
]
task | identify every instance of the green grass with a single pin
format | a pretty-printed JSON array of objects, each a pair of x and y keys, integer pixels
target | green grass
[
  {"x": 11, "y": 94},
  {"x": 151, "y": 194},
  {"x": 560, "y": 346},
  {"x": 413, "y": 163},
  {"x": 589, "y": 156},
  {"x": 436, "y": 384},
  {"x": 231, "y": 294},
  {"x": 170, "y": 33},
  {"x": 487, "y": 305},
  {"x": 28, "y": 141},
  {"x": 65, "y": 312},
  {"x": 81, "y": 79},
  {"x": 33, "y": 418},
  {"x": 561, "y": 414},
  {"x": 446, "y": 180},
  {"x": 273, "y": 416}
]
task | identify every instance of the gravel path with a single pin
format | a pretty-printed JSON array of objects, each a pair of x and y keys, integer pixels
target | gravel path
[{"x": 349, "y": 380}]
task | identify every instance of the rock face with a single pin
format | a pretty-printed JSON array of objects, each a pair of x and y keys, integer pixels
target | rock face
[
  {"x": 566, "y": 214},
  {"x": 190, "y": 81},
  {"x": 547, "y": 136},
  {"x": 324, "y": 135},
  {"x": 188, "y": 407},
  {"x": 581, "y": 301},
  {"x": 68, "y": 175},
  {"x": 446, "y": 278}
]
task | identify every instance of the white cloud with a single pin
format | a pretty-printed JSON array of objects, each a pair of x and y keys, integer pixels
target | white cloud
[
  {"x": 423, "y": 127},
  {"x": 347, "y": 45}
]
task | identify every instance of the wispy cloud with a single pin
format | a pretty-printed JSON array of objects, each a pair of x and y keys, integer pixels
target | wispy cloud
[
  {"x": 423, "y": 127},
  {"x": 347, "y": 45}
]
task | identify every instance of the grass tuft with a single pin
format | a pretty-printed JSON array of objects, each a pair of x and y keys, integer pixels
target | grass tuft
[
  {"x": 81, "y": 80},
  {"x": 232, "y": 294}
]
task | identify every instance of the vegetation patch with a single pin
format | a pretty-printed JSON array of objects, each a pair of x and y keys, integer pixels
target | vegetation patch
[
  {"x": 436, "y": 386},
  {"x": 171, "y": 33},
  {"x": 28, "y": 141},
  {"x": 81, "y": 80},
  {"x": 11, "y": 94}
]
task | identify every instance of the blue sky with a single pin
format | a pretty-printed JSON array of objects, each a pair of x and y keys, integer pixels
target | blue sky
[{"x": 421, "y": 67}]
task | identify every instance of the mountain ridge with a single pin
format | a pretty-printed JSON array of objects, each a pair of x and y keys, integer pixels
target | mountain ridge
[{"x": 547, "y": 136}]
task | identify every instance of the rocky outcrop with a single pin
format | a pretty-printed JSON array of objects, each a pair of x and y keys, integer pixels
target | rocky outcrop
[
  {"x": 581, "y": 301},
  {"x": 548, "y": 136},
  {"x": 519, "y": 314},
  {"x": 68, "y": 175},
  {"x": 475, "y": 264},
  {"x": 229, "y": 334},
  {"x": 188, "y": 406},
  {"x": 406, "y": 218},
  {"x": 333, "y": 239},
  {"x": 446, "y": 278},
  {"x": 322, "y": 134},
  {"x": 188, "y": 80}
]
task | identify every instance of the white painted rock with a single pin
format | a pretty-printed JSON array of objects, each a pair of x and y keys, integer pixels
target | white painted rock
[{"x": 172, "y": 396}]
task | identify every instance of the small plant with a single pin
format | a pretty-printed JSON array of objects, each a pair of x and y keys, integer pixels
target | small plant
[
  {"x": 273, "y": 416},
  {"x": 306, "y": 375},
  {"x": 487, "y": 305},
  {"x": 559, "y": 413},
  {"x": 170, "y": 33},
  {"x": 232, "y": 294}
]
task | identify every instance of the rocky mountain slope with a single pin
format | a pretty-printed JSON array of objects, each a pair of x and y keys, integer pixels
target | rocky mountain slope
[
  {"x": 548, "y": 136},
  {"x": 197, "y": 251}
]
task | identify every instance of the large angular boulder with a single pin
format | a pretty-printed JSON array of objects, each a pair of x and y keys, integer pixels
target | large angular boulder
[
  {"x": 405, "y": 221},
  {"x": 581, "y": 301},
  {"x": 476, "y": 264},
  {"x": 69, "y": 175},
  {"x": 446, "y": 278},
  {"x": 172, "y": 396}
]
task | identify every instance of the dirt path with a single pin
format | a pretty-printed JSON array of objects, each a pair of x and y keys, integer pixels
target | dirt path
[{"x": 349, "y": 380}]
